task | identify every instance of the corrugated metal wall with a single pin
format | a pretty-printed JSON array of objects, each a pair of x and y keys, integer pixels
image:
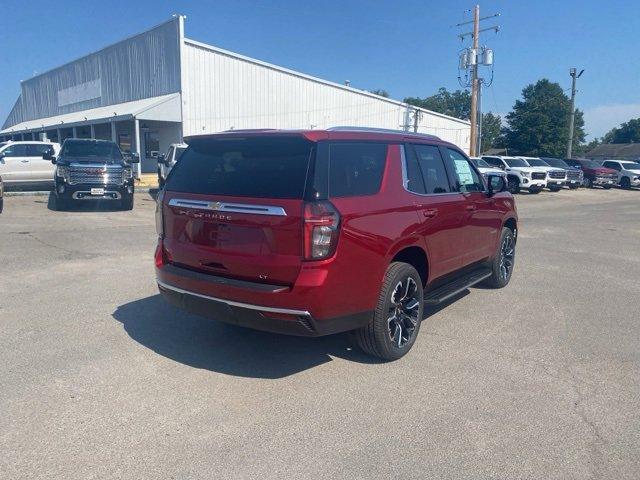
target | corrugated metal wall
[
  {"x": 143, "y": 66},
  {"x": 222, "y": 90},
  {"x": 15, "y": 116}
]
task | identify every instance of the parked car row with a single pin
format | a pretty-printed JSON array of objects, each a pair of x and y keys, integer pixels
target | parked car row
[
  {"x": 80, "y": 170},
  {"x": 537, "y": 173}
]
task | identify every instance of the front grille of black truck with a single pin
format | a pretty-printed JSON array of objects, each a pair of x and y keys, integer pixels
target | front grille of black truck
[{"x": 96, "y": 175}]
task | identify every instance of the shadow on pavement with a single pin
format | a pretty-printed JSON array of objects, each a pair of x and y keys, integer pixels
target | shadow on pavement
[{"x": 219, "y": 347}]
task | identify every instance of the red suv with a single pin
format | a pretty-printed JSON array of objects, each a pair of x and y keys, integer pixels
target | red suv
[{"x": 318, "y": 232}]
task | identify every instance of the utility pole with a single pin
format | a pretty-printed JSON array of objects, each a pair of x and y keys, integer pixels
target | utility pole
[
  {"x": 474, "y": 83},
  {"x": 470, "y": 61},
  {"x": 572, "y": 72}
]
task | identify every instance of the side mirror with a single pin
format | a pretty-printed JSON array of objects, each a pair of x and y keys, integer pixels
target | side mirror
[
  {"x": 49, "y": 155},
  {"x": 162, "y": 158},
  {"x": 496, "y": 184},
  {"x": 135, "y": 158}
]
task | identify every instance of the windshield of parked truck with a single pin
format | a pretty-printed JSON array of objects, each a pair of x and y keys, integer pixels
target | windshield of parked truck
[
  {"x": 590, "y": 164},
  {"x": 630, "y": 165},
  {"x": 480, "y": 163},
  {"x": 89, "y": 150},
  {"x": 537, "y": 162},
  {"x": 515, "y": 162},
  {"x": 556, "y": 162}
]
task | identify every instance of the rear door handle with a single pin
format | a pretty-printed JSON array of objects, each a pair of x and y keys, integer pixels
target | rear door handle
[
  {"x": 430, "y": 213},
  {"x": 24, "y": 161},
  {"x": 471, "y": 208}
]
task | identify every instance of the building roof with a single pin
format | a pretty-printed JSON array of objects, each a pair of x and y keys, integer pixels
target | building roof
[
  {"x": 615, "y": 150},
  {"x": 145, "y": 109}
]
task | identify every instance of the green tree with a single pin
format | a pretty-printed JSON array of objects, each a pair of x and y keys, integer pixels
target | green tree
[
  {"x": 539, "y": 123},
  {"x": 491, "y": 126},
  {"x": 455, "y": 104},
  {"x": 628, "y": 132},
  {"x": 381, "y": 92}
]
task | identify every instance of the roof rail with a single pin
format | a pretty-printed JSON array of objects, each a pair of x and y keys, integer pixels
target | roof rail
[{"x": 380, "y": 130}]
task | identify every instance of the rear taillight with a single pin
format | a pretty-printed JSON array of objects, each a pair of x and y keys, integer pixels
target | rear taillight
[
  {"x": 159, "y": 257},
  {"x": 159, "y": 218},
  {"x": 321, "y": 228}
]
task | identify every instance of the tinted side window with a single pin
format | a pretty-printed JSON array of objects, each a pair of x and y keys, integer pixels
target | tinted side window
[
  {"x": 415, "y": 183},
  {"x": 466, "y": 178},
  {"x": 355, "y": 168},
  {"x": 37, "y": 149},
  {"x": 15, "y": 151},
  {"x": 433, "y": 170}
]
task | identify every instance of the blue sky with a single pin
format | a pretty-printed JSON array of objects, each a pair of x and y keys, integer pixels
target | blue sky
[{"x": 408, "y": 48}]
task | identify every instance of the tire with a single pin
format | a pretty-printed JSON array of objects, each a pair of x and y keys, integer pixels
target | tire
[
  {"x": 386, "y": 337},
  {"x": 555, "y": 189},
  {"x": 513, "y": 185},
  {"x": 625, "y": 183},
  {"x": 607, "y": 187},
  {"x": 588, "y": 183},
  {"x": 504, "y": 260},
  {"x": 535, "y": 191},
  {"x": 127, "y": 202},
  {"x": 574, "y": 187}
]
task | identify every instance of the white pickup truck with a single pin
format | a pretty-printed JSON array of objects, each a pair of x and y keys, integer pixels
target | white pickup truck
[
  {"x": 519, "y": 174},
  {"x": 168, "y": 160}
]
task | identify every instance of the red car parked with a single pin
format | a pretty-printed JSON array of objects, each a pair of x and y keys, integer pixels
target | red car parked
[
  {"x": 594, "y": 173},
  {"x": 319, "y": 232}
]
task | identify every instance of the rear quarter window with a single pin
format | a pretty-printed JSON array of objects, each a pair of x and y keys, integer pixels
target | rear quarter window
[{"x": 355, "y": 169}]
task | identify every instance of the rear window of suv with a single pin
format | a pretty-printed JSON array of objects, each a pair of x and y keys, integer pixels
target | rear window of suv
[{"x": 262, "y": 167}]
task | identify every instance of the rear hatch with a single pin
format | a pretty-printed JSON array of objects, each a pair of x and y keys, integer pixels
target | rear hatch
[{"x": 233, "y": 207}]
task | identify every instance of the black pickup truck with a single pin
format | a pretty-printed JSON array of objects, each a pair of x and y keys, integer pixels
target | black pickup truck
[{"x": 89, "y": 170}]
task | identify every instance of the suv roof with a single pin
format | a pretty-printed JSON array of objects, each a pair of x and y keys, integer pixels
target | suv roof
[{"x": 333, "y": 133}]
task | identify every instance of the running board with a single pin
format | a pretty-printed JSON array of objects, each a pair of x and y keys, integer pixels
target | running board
[{"x": 456, "y": 286}]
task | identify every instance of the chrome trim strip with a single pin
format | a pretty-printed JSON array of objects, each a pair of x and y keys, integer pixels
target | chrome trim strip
[
  {"x": 229, "y": 207},
  {"x": 285, "y": 311}
]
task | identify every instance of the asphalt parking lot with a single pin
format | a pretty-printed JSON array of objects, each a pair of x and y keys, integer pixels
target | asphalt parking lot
[{"x": 100, "y": 378}]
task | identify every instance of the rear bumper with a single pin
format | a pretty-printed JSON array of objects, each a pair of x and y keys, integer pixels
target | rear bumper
[{"x": 259, "y": 317}]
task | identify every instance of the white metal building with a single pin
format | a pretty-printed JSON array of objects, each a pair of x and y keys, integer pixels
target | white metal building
[{"x": 155, "y": 88}]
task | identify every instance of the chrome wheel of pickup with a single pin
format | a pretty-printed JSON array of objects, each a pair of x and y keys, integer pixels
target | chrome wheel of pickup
[{"x": 404, "y": 312}]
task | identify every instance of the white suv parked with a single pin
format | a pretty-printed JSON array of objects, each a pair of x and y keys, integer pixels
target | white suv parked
[
  {"x": 556, "y": 177},
  {"x": 21, "y": 163},
  {"x": 519, "y": 173},
  {"x": 628, "y": 172},
  {"x": 166, "y": 162}
]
